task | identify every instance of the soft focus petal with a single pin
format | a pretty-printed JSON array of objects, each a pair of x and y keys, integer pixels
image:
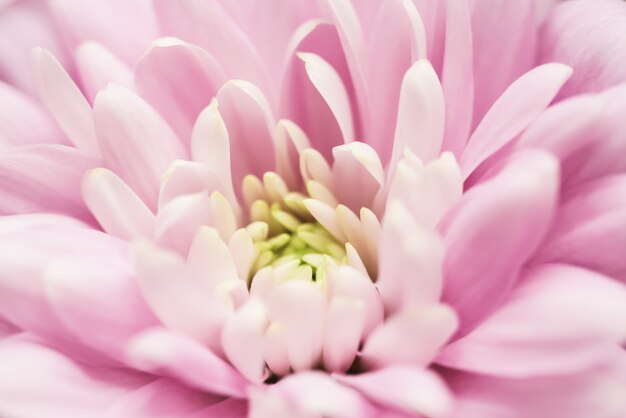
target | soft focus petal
[
  {"x": 588, "y": 36},
  {"x": 44, "y": 178},
  {"x": 97, "y": 67},
  {"x": 37, "y": 381},
  {"x": 494, "y": 229},
  {"x": 541, "y": 329}
]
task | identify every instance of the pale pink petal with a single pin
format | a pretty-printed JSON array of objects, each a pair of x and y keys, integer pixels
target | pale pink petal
[
  {"x": 421, "y": 114},
  {"x": 31, "y": 249},
  {"x": 413, "y": 390},
  {"x": 229, "y": 408},
  {"x": 162, "y": 398},
  {"x": 126, "y": 127},
  {"x": 250, "y": 125},
  {"x": 597, "y": 393},
  {"x": 178, "y": 80},
  {"x": 37, "y": 381},
  {"x": 290, "y": 142},
  {"x": 412, "y": 336},
  {"x": 44, "y": 178},
  {"x": 329, "y": 84},
  {"x": 161, "y": 352},
  {"x": 25, "y": 25},
  {"x": 504, "y": 46},
  {"x": 457, "y": 77},
  {"x": 542, "y": 330},
  {"x": 390, "y": 52},
  {"x": 522, "y": 102},
  {"x": 357, "y": 174},
  {"x": 494, "y": 229},
  {"x": 179, "y": 219},
  {"x": 64, "y": 100},
  {"x": 116, "y": 207},
  {"x": 295, "y": 303},
  {"x": 207, "y": 25},
  {"x": 97, "y": 67},
  {"x": 309, "y": 394},
  {"x": 126, "y": 29},
  {"x": 211, "y": 258},
  {"x": 84, "y": 298},
  {"x": 411, "y": 262},
  {"x": 590, "y": 230},
  {"x": 184, "y": 301},
  {"x": 306, "y": 101},
  {"x": 345, "y": 322},
  {"x": 23, "y": 121},
  {"x": 565, "y": 127},
  {"x": 587, "y": 36},
  {"x": 242, "y": 339}
]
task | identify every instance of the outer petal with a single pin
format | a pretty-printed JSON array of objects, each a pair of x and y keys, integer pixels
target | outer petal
[
  {"x": 127, "y": 127},
  {"x": 37, "y": 381},
  {"x": 135, "y": 25},
  {"x": 64, "y": 100},
  {"x": 44, "y": 178},
  {"x": 179, "y": 80},
  {"x": 414, "y": 390},
  {"x": 541, "y": 330},
  {"x": 158, "y": 351},
  {"x": 512, "y": 112},
  {"x": 594, "y": 393},
  {"x": 495, "y": 228},
  {"x": 590, "y": 228},
  {"x": 587, "y": 35},
  {"x": 23, "y": 121},
  {"x": 46, "y": 266},
  {"x": 97, "y": 67},
  {"x": 504, "y": 33}
]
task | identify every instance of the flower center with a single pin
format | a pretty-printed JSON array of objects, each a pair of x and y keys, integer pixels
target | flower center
[{"x": 283, "y": 230}]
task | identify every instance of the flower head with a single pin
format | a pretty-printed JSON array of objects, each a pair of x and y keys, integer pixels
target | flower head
[{"x": 313, "y": 209}]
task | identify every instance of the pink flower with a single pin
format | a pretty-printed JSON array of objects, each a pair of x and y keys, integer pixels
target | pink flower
[{"x": 313, "y": 209}]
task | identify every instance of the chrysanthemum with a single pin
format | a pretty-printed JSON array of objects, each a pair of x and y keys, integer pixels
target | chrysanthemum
[{"x": 313, "y": 209}]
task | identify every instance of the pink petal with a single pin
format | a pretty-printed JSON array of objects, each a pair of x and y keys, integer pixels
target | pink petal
[
  {"x": 541, "y": 329},
  {"x": 64, "y": 100},
  {"x": 290, "y": 142},
  {"x": 179, "y": 219},
  {"x": 31, "y": 252},
  {"x": 414, "y": 390},
  {"x": 421, "y": 114},
  {"x": 159, "y": 351},
  {"x": 126, "y": 127},
  {"x": 250, "y": 127},
  {"x": 309, "y": 394},
  {"x": 391, "y": 49},
  {"x": 457, "y": 77},
  {"x": 117, "y": 208},
  {"x": 522, "y": 102},
  {"x": 357, "y": 173},
  {"x": 307, "y": 97},
  {"x": 25, "y": 25},
  {"x": 411, "y": 260},
  {"x": 105, "y": 298},
  {"x": 207, "y": 25},
  {"x": 162, "y": 398},
  {"x": 412, "y": 336},
  {"x": 184, "y": 301},
  {"x": 594, "y": 393},
  {"x": 37, "y": 381},
  {"x": 590, "y": 228},
  {"x": 588, "y": 37},
  {"x": 97, "y": 67},
  {"x": 134, "y": 28},
  {"x": 23, "y": 121},
  {"x": 179, "y": 80},
  {"x": 44, "y": 178},
  {"x": 494, "y": 229},
  {"x": 504, "y": 47},
  {"x": 345, "y": 322}
]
